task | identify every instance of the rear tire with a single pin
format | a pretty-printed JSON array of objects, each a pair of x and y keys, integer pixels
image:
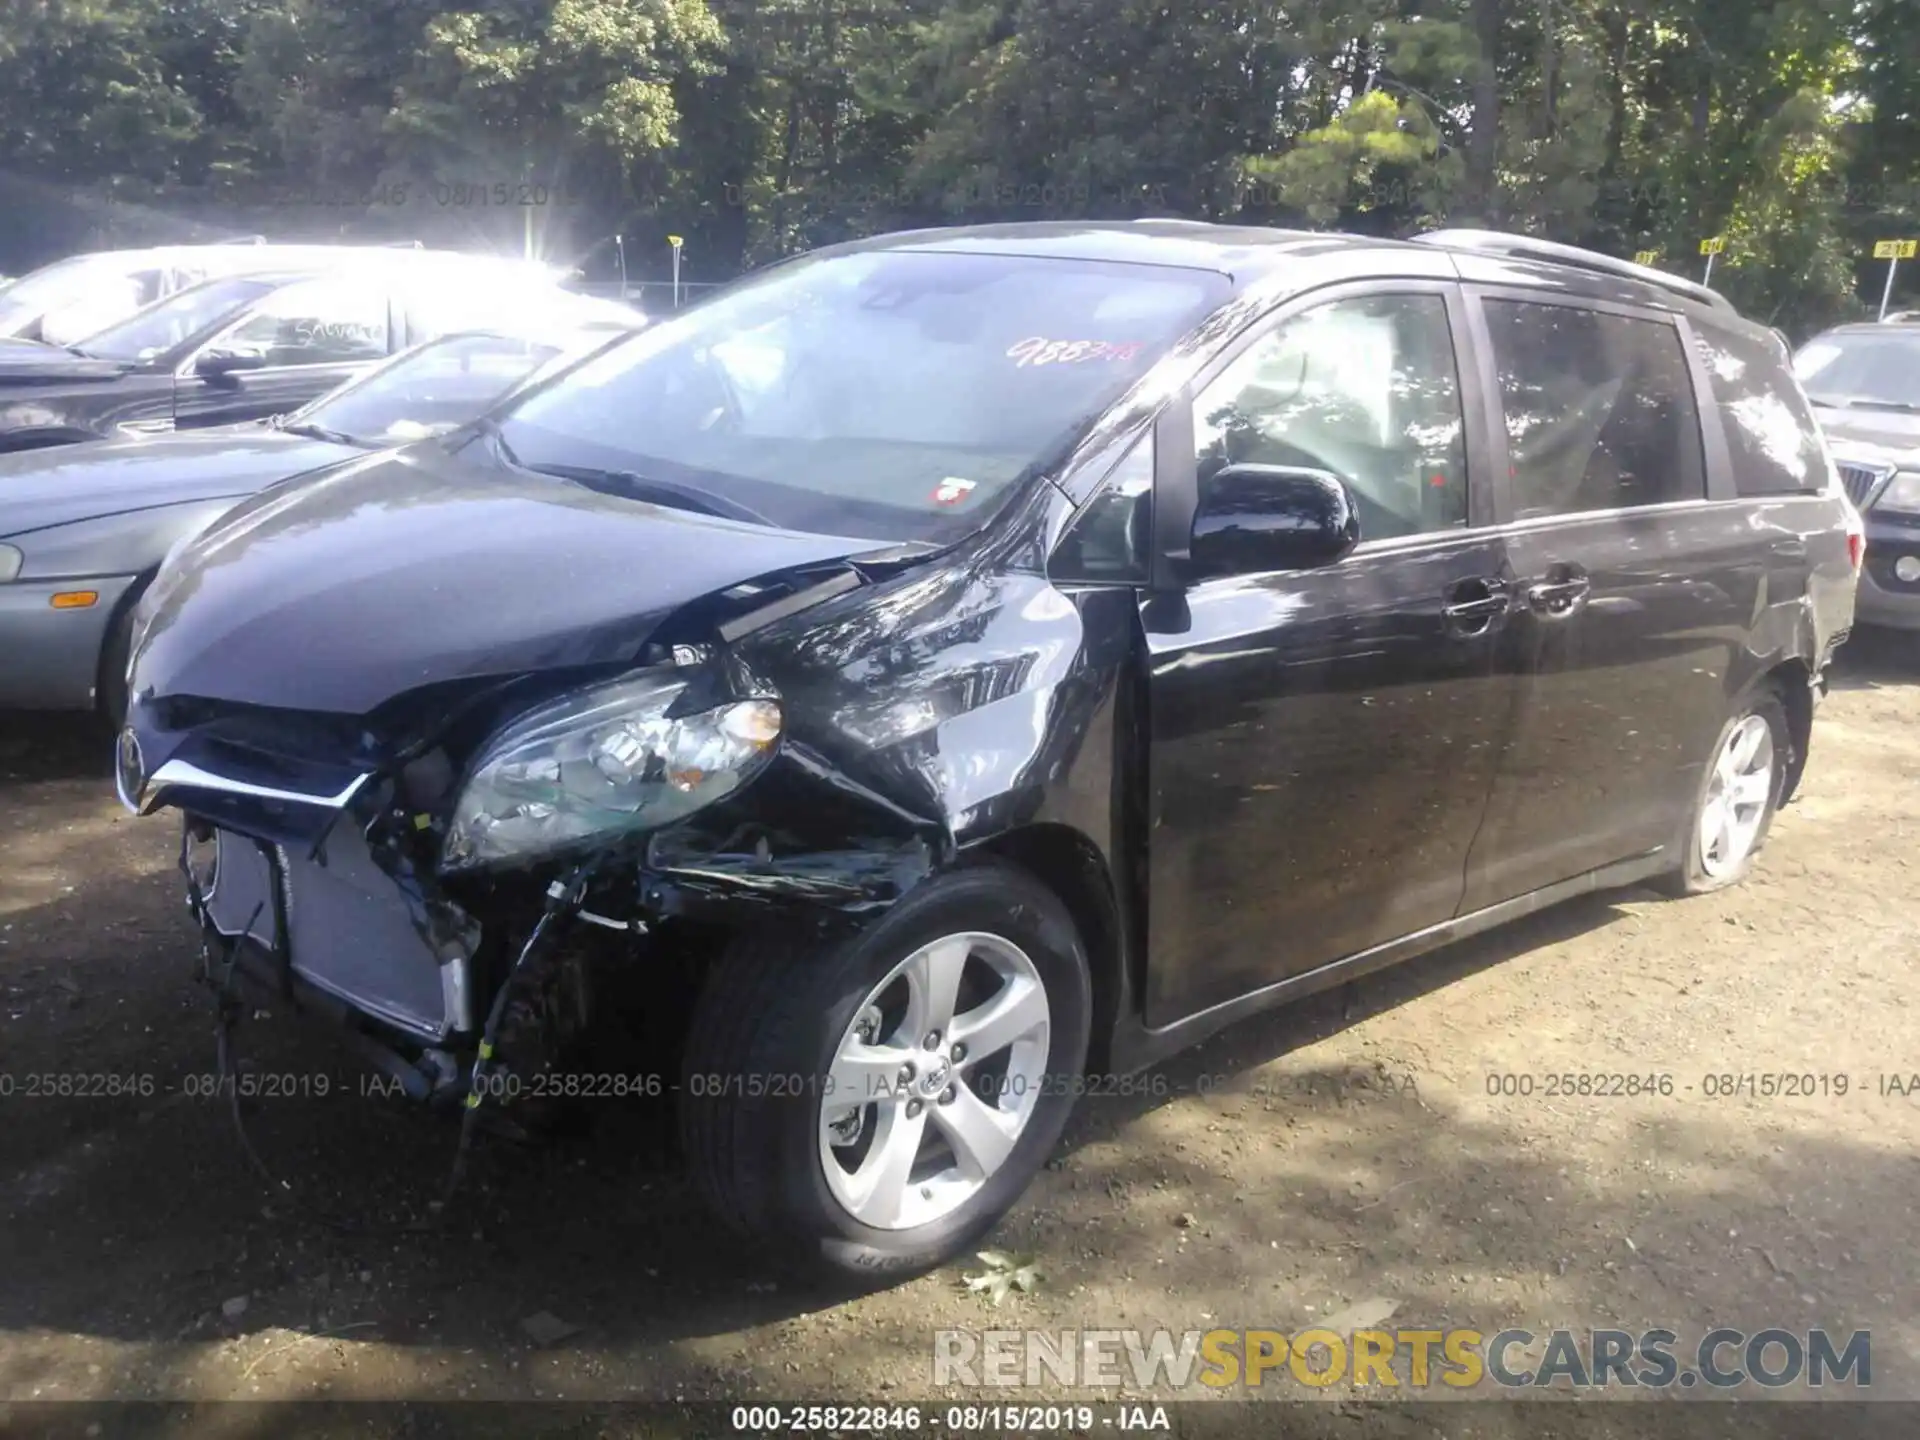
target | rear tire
[
  {"x": 1746, "y": 775},
  {"x": 795, "y": 1063}
]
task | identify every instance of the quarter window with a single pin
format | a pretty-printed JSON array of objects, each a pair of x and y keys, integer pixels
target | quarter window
[
  {"x": 1366, "y": 389},
  {"x": 1599, "y": 408},
  {"x": 1771, "y": 431},
  {"x": 316, "y": 322},
  {"x": 1111, "y": 538}
]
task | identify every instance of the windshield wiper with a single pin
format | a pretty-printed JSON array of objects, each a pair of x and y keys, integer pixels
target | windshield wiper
[
  {"x": 317, "y": 432},
  {"x": 492, "y": 429},
  {"x": 660, "y": 492}
]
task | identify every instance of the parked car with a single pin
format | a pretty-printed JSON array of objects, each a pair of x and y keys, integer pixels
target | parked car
[
  {"x": 72, "y": 298},
  {"x": 1865, "y": 385},
  {"x": 84, "y": 528},
  {"x": 247, "y": 346},
  {"x": 985, "y": 662}
]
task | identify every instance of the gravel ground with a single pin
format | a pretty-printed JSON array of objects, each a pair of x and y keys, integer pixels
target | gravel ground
[{"x": 1299, "y": 1166}]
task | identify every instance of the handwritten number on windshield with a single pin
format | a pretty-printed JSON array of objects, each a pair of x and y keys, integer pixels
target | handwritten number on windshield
[{"x": 1039, "y": 350}]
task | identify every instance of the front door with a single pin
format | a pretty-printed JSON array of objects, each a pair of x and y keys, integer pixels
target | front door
[
  {"x": 1634, "y": 591},
  {"x": 307, "y": 339},
  {"x": 1323, "y": 742}
]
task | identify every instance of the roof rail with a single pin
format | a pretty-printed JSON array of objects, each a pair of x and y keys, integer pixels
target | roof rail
[{"x": 1525, "y": 247}]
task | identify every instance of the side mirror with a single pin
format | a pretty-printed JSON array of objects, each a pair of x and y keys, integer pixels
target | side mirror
[
  {"x": 1256, "y": 518},
  {"x": 218, "y": 364}
]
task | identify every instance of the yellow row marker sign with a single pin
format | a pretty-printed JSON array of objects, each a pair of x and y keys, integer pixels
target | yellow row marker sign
[
  {"x": 1893, "y": 252},
  {"x": 1712, "y": 249}
]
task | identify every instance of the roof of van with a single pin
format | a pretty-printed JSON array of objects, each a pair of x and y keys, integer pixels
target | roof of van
[{"x": 1256, "y": 255}]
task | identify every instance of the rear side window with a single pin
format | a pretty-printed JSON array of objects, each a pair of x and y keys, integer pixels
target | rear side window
[
  {"x": 1771, "y": 432},
  {"x": 1600, "y": 410}
]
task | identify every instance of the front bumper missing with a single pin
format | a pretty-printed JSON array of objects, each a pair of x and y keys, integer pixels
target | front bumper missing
[
  {"x": 339, "y": 923},
  {"x": 286, "y": 879}
]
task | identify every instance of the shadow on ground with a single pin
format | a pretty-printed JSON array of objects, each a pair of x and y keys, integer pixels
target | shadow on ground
[{"x": 129, "y": 1217}]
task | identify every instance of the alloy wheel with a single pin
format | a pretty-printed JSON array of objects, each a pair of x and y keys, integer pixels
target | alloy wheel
[
  {"x": 1738, "y": 794},
  {"x": 934, "y": 1081}
]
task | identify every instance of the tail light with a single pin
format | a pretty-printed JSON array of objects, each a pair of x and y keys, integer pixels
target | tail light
[{"x": 1856, "y": 539}]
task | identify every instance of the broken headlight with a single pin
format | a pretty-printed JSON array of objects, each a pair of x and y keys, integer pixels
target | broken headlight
[{"x": 602, "y": 762}]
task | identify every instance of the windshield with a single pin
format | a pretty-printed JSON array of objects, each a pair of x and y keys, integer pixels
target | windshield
[
  {"x": 33, "y": 294},
  {"x": 175, "y": 320},
  {"x": 428, "y": 391},
  {"x": 885, "y": 394},
  {"x": 1879, "y": 367}
]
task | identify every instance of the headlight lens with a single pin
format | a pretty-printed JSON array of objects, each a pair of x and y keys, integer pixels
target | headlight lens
[
  {"x": 10, "y": 562},
  {"x": 601, "y": 762},
  {"x": 1902, "y": 494}
]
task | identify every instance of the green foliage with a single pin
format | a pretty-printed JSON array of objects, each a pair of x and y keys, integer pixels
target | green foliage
[
  {"x": 1328, "y": 171},
  {"x": 758, "y": 127}
]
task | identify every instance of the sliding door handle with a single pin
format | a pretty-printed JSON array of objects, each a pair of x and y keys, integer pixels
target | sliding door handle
[{"x": 1556, "y": 599}]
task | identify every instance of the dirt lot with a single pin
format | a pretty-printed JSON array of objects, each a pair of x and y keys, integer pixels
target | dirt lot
[{"x": 1300, "y": 1165}]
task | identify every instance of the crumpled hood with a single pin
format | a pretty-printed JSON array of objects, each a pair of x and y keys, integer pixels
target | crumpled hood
[
  {"x": 341, "y": 591},
  {"x": 1889, "y": 437},
  {"x": 59, "y": 484},
  {"x": 28, "y": 361}
]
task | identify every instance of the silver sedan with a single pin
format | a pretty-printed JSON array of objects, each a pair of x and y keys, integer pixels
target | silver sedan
[{"x": 83, "y": 528}]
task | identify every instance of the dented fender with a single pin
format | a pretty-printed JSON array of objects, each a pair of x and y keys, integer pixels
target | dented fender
[{"x": 926, "y": 715}]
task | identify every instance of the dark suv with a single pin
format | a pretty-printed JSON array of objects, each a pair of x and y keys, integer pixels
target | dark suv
[
  {"x": 984, "y": 662},
  {"x": 1865, "y": 384}
]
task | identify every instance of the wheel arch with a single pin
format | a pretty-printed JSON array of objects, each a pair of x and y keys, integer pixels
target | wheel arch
[
  {"x": 1793, "y": 678},
  {"x": 122, "y": 609},
  {"x": 1070, "y": 865}
]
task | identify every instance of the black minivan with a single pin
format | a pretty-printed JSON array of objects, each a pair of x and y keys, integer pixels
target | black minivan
[{"x": 982, "y": 662}]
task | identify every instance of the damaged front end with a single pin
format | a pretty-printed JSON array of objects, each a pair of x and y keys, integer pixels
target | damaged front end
[{"x": 468, "y": 877}]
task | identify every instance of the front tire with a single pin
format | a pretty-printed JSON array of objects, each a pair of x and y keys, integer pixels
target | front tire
[
  {"x": 1738, "y": 797},
  {"x": 869, "y": 1107}
]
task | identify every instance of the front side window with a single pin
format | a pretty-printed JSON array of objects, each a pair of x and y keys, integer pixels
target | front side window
[
  {"x": 315, "y": 322},
  {"x": 162, "y": 328},
  {"x": 887, "y": 394},
  {"x": 1599, "y": 410},
  {"x": 1367, "y": 389}
]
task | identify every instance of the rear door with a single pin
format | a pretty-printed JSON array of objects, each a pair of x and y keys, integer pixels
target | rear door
[
  {"x": 311, "y": 336},
  {"x": 1635, "y": 575},
  {"x": 1322, "y": 742}
]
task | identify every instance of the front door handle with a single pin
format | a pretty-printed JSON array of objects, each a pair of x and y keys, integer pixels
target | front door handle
[
  {"x": 1473, "y": 605},
  {"x": 1560, "y": 593}
]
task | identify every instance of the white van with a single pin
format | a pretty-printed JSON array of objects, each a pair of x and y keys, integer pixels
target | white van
[{"x": 70, "y": 299}]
